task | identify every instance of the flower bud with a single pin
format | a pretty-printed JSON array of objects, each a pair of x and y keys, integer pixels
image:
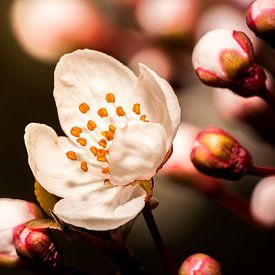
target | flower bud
[
  {"x": 13, "y": 213},
  {"x": 36, "y": 245},
  {"x": 200, "y": 263},
  {"x": 218, "y": 154},
  {"x": 263, "y": 203},
  {"x": 225, "y": 58},
  {"x": 260, "y": 18}
]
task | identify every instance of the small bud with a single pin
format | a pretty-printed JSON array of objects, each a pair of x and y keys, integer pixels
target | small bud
[
  {"x": 225, "y": 58},
  {"x": 218, "y": 154},
  {"x": 200, "y": 263},
  {"x": 260, "y": 18},
  {"x": 13, "y": 213},
  {"x": 263, "y": 203},
  {"x": 36, "y": 245}
]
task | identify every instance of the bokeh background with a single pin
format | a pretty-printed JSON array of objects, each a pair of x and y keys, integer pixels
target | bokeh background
[{"x": 30, "y": 45}]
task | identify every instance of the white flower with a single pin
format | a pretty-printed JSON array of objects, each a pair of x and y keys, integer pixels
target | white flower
[
  {"x": 119, "y": 128},
  {"x": 221, "y": 54},
  {"x": 13, "y": 213}
]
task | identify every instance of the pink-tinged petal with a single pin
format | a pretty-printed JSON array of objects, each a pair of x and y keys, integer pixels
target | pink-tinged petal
[
  {"x": 86, "y": 76},
  {"x": 12, "y": 213},
  {"x": 136, "y": 152},
  {"x": 52, "y": 168},
  {"x": 151, "y": 89},
  {"x": 107, "y": 209}
]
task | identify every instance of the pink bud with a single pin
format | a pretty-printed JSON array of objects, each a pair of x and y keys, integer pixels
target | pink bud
[
  {"x": 165, "y": 17},
  {"x": 225, "y": 58},
  {"x": 218, "y": 154},
  {"x": 201, "y": 264},
  {"x": 47, "y": 29},
  {"x": 263, "y": 203},
  {"x": 261, "y": 19},
  {"x": 179, "y": 165},
  {"x": 13, "y": 213},
  {"x": 36, "y": 246}
]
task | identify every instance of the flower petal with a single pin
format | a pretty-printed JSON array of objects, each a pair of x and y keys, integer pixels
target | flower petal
[
  {"x": 53, "y": 170},
  {"x": 86, "y": 76},
  {"x": 106, "y": 210},
  {"x": 158, "y": 101},
  {"x": 136, "y": 152}
]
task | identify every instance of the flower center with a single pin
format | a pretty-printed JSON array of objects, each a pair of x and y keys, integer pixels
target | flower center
[{"x": 103, "y": 138}]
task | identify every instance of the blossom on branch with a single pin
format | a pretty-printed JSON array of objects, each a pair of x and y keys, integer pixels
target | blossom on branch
[{"x": 119, "y": 131}]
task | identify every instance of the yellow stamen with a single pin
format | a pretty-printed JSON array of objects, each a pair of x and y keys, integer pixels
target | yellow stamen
[
  {"x": 101, "y": 159},
  {"x": 102, "y": 152},
  {"x": 94, "y": 150},
  {"x": 112, "y": 128},
  {"x": 84, "y": 166},
  {"x": 76, "y": 131},
  {"x": 120, "y": 111},
  {"x": 82, "y": 141},
  {"x": 102, "y": 143},
  {"x": 136, "y": 108},
  {"x": 110, "y": 98},
  {"x": 108, "y": 135},
  {"x": 106, "y": 170},
  {"x": 143, "y": 118},
  {"x": 102, "y": 112},
  {"x": 91, "y": 125},
  {"x": 71, "y": 155},
  {"x": 84, "y": 108}
]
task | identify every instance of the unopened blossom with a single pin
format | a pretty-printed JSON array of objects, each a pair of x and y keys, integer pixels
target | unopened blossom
[
  {"x": 261, "y": 19},
  {"x": 13, "y": 213},
  {"x": 119, "y": 130},
  {"x": 201, "y": 264},
  {"x": 216, "y": 153},
  {"x": 262, "y": 202},
  {"x": 225, "y": 58}
]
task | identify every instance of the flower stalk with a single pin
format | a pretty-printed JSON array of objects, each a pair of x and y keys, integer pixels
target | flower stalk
[
  {"x": 152, "y": 226},
  {"x": 259, "y": 171}
]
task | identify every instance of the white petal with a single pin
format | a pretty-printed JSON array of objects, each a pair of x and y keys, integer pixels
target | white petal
[
  {"x": 12, "y": 213},
  {"x": 87, "y": 76},
  {"x": 107, "y": 209},
  {"x": 158, "y": 101},
  {"x": 53, "y": 170},
  {"x": 137, "y": 151}
]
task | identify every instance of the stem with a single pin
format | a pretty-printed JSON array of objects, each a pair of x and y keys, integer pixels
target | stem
[
  {"x": 262, "y": 171},
  {"x": 166, "y": 257},
  {"x": 267, "y": 96}
]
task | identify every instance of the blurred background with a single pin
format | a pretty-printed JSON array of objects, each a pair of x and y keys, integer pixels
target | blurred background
[{"x": 161, "y": 34}]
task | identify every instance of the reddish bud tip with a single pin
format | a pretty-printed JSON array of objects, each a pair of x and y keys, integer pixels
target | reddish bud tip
[
  {"x": 200, "y": 263},
  {"x": 218, "y": 154},
  {"x": 36, "y": 246}
]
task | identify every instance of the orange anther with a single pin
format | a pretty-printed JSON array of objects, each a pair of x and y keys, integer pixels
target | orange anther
[
  {"x": 76, "y": 131},
  {"x": 108, "y": 135},
  {"x": 71, "y": 155},
  {"x": 143, "y": 118},
  {"x": 91, "y": 125},
  {"x": 101, "y": 159},
  {"x": 82, "y": 141},
  {"x": 102, "y": 112},
  {"x": 84, "y": 108},
  {"x": 120, "y": 111},
  {"x": 102, "y": 143},
  {"x": 84, "y": 166},
  {"x": 102, "y": 152},
  {"x": 106, "y": 170},
  {"x": 110, "y": 98},
  {"x": 94, "y": 150},
  {"x": 112, "y": 128},
  {"x": 136, "y": 108}
]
